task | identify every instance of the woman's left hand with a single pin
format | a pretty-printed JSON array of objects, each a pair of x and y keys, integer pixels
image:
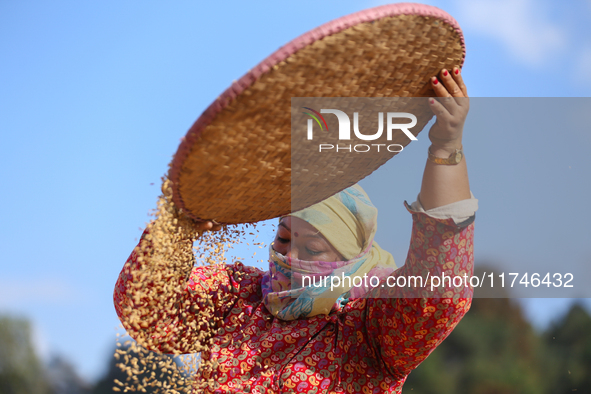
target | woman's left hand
[
  {"x": 446, "y": 184},
  {"x": 451, "y": 110}
]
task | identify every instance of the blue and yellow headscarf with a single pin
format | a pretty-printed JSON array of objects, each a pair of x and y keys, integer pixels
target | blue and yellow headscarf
[{"x": 348, "y": 220}]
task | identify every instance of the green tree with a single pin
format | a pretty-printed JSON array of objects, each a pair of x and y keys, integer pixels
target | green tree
[
  {"x": 569, "y": 341},
  {"x": 63, "y": 378},
  {"x": 20, "y": 370}
]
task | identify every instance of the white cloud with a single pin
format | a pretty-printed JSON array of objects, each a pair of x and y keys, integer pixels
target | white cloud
[{"x": 520, "y": 25}]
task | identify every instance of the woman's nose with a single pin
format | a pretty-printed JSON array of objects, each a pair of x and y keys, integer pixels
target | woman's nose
[{"x": 291, "y": 253}]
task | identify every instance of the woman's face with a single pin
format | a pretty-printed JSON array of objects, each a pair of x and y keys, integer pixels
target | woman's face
[{"x": 298, "y": 239}]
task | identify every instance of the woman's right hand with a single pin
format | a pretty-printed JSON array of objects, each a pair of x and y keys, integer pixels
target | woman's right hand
[{"x": 208, "y": 225}]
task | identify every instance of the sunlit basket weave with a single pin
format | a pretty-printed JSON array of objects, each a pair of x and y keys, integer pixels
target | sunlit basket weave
[{"x": 234, "y": 164}]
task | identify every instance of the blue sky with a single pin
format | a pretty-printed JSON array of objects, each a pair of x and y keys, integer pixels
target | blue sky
[{"x": 95, "y": 97}]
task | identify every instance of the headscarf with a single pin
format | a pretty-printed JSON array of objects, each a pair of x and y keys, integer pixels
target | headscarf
[{"x": 294, "y": 289}]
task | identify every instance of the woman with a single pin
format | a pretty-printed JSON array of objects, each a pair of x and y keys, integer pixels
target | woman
[{"x": 277, "y": 334}]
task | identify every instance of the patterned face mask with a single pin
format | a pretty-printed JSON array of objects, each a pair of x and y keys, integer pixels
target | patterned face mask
[{"x": 294, "y": 289}]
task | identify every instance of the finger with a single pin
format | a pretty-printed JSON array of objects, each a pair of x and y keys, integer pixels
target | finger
[
  {"x": 437, "y": 108},
  {"x": 444, "y": 97},
  {"x": 439, "y": 88},
  {"x": 205, "y": 226},
  {"x": 457, "y": 76},
  {"x": 450, "y": 84},
  {"x": 453, "y": 89}
]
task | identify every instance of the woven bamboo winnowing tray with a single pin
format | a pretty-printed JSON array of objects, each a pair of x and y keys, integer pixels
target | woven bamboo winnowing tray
[{"x": 234, "y": 164}]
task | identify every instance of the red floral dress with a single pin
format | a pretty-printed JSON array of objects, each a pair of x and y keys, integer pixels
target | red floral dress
[{"x": 369, "y": 346}]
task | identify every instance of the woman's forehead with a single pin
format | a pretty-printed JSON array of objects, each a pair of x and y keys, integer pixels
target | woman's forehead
[{"x": 293, "y": 224}]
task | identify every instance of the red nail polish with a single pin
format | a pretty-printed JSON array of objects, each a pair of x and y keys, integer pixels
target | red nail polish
[
  {"x": 435, "y": 81},
  {"x": 457, "y": 71},
  {"x": 445, "y": 73},
  {"x": 432, "y": 101}
]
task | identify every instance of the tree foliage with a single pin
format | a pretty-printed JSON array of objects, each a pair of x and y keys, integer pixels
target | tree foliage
[
  {"x": 20, "y": 370},
  {"x": 495, "y": 350}
]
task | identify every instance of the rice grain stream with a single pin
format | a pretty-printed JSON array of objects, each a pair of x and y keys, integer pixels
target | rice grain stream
[{"x": 163, "y": 263}]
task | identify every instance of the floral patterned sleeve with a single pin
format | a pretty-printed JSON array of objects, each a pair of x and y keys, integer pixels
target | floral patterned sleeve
[
  {"x": 404, "y": 325},
  {"x": 209, "y": 292}
]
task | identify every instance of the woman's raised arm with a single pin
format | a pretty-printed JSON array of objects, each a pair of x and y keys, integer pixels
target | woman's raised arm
[{"x": 446, "y": 183}]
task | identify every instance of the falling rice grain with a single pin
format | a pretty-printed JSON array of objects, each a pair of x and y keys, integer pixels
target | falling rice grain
[{"x": 171, "y": 247}]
